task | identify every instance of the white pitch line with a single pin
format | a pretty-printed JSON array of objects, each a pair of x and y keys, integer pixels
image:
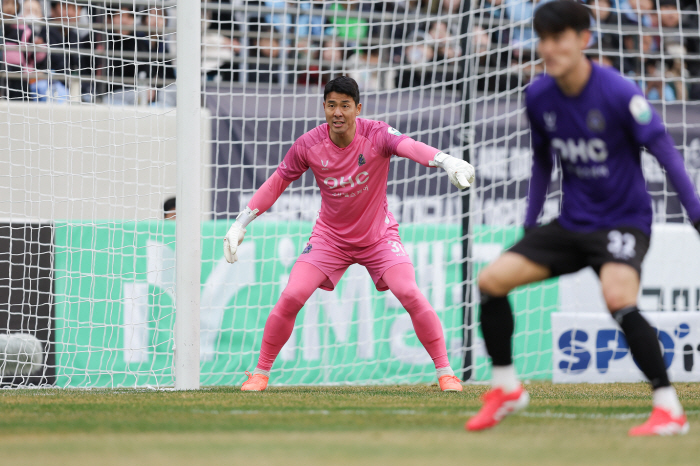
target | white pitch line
[{"x": 408, "y": 412}]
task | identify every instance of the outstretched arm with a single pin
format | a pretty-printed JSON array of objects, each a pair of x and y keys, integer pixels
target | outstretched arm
[
  {"x": 269, "y": 192},
  {"x": 460, "y": 172},
  {"x": 662, "y": 148},
  {"x": 262, "y": 200}
]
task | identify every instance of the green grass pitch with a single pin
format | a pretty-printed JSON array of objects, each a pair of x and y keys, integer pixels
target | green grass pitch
[{"x": 395, "y": 425}]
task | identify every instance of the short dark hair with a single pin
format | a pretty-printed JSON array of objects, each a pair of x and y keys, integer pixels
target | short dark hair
[
  {"x": 168, "y": 205},
  {"x": 559, "y": 15},
  {"x": 343, "y": 85}
]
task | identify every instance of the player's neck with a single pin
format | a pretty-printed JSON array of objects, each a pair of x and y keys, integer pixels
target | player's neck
[
  {"x": 573, "y": 82},
  {"x": 345, "y": 139}
]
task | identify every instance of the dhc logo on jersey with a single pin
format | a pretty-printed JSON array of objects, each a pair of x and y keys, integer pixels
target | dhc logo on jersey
[
  {"x": 360, "y": 178},
  {"x": 581, "y": 150},
  {"x": 611, "y": 345}
]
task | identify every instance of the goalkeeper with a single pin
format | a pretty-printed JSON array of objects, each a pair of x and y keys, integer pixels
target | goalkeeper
[
  {"x": 595, "y": 122},
  {"x": 349, "y": 157}
]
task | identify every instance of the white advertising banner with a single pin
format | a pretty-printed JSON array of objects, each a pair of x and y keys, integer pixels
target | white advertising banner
[
  {"x": 670, "y": 276},
  {"x": 588, "y": 345},
  {"x": 591, "y": 347}
]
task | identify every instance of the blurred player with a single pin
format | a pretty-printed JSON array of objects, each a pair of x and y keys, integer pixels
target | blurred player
[
  {"x": 349, "y": 157},
  {"x": 595, "y": 122}
]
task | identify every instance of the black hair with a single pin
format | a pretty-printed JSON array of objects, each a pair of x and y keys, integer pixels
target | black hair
[
  {"x": 168, "y": 206},
  {"x": 559, "y": 15},
  {"x": 343, "y": 85}
]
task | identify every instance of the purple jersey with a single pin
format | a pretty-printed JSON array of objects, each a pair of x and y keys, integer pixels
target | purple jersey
[{"x": 597, "y": 137}]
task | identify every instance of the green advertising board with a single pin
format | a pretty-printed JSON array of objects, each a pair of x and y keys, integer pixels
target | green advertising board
[
  {"x": 532, "y": 306},
  {"x": 115, "y": 296}
]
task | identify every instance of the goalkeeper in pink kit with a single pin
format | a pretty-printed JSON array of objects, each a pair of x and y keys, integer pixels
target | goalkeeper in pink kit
[{"x": 349, "y": 157}]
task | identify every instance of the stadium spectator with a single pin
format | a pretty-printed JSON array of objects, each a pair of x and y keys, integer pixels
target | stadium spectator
[
  {"x": 653, "y": 85},
  {"x": 351, "y": 28},
  {"x": 450, "y": 7},
  {"x": 370, "y": 71},
  {"x": 685, "y": 42},
  {"x": 301, "y": 26},
  {"x": 33, "y": 16},
  {"x": 494, "y": 9},
  {"x": 636, "y": 12},
  {"x": 389, "y": 30},
  {"x": 445, "y": 45},
  {"x": 417, "y": 55},
  {"x": 219, "y": 52},
  {"x": 266, "y": 57},
  {"x": 40, "y": 88},
  {"x": 19, "y": 56},
  {"x": 605, "y": 16},
  {"x": 520, "y": 13},
  {"x": 71, "y": 51},
  {"x": 159, "y": 65},
  {"x": 121, "y": 47},
  {"x": 330, "y": 56}
]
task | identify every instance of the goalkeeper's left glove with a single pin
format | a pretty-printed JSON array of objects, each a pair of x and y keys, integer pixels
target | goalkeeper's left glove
[
  {"x": 460, "y": 172},
  {"x": 236, "y": 233}
]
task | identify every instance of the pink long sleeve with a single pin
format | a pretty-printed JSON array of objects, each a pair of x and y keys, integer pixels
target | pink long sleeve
[
  {"x": 268, "y": 193},
  {"x": 416, "y": 151}
]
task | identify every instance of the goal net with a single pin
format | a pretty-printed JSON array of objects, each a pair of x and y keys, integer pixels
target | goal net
[{"x": 87, "y": 259}]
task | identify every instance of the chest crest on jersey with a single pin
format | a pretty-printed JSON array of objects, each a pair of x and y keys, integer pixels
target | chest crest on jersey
[
  {"x": 550, "y": 121},
  {"x": 361, "y": 160},
  {"x": 595, "y": 121}
]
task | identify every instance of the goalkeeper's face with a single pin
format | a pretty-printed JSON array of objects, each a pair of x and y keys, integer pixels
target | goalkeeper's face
[
  {"x": 562, "y": 52},
  {"x": 341, "y": 112}
]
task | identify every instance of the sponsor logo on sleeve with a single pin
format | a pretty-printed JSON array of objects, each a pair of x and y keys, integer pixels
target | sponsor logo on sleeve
[
  {"x": 393, "y": 131},
  {"x": 640, "y": 110},
  {"x": 307, "y": 249}
]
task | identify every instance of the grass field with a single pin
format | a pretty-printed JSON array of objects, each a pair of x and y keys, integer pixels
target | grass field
[{"x": 397, "y": 425}]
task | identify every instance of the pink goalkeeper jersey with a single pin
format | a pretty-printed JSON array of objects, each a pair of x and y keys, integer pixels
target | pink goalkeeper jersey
[{"x": 353, "y": 180}]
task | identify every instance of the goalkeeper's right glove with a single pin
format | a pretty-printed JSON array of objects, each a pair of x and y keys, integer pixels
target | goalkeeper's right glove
[{"x": 236, "y": 233}]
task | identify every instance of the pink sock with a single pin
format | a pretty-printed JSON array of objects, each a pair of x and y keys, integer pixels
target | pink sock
[
  {"x": 401, "y": 280},
  {"x": 303, "y": 281}
]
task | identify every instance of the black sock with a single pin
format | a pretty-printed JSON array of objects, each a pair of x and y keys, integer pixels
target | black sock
[
  {"x": 497, "y": 328},
  {"x": 644, "y": 345}
]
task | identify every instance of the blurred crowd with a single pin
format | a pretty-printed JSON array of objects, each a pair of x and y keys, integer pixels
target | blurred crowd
[
  {"x": 123, "y": 52},
  {"x": 655, "y": 43}
]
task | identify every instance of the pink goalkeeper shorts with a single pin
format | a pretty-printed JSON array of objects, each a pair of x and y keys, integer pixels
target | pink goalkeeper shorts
[{"x": 377, "y": 258}]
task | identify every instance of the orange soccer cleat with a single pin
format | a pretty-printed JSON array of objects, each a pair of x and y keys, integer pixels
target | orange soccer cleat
[
  {"x": 450, "y": 383},
  {"x": 497, "y": 405},
  {"x": 661, "y": 422},
  {"x": 255, "y": 382}
]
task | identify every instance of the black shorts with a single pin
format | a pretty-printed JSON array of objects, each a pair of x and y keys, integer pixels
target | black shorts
[{"x": 564, "y": 251}]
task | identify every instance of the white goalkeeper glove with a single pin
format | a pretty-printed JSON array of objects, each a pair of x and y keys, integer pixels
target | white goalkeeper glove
[
  {"x": 460, "y": 172},
  {"x": 236, "y": 233}
]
